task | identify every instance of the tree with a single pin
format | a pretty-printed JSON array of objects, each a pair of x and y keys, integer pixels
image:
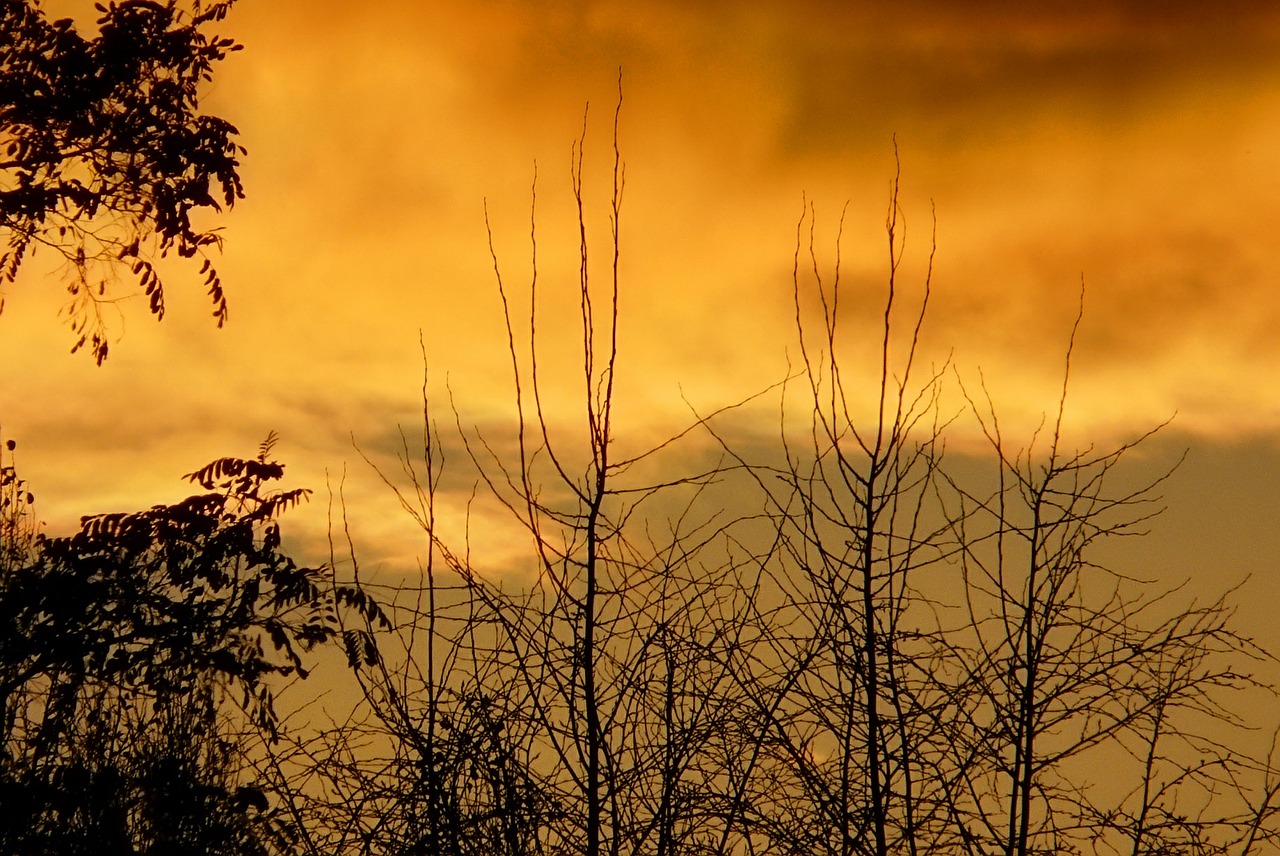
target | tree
[
  {"x": 1067, "y": 664},
  {"x": 847, "y": 645},
  {"x": 619, "y": 655},
  {"x": 890, "y": 725},
  {"x": 105, "y": 157},
  {"x": 589, "y": 707},
  {"x": 849, "y": 730},
  {"x": 120, "y": 647}
]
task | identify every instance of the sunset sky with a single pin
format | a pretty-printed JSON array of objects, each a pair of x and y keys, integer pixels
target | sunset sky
[{"x": 1134, "y": 146}]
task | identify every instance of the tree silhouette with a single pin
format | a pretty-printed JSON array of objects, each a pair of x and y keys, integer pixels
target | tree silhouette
[
  {"x": 894, "y": 654},
  {"x": 105, "y": 157},
  {"x": 839, "y": 642},
  {"x": 848, "y": 728},
  {"x": 592, "y": 710},
  {"x": 117, "y": 641}
]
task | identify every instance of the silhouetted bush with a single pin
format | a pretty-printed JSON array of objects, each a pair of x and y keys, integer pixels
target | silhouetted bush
[{"x": 120, "y": 646}]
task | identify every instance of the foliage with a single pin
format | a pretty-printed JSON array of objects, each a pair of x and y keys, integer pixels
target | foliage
[
  {"x": 18, "y": 525},
  {"x": 116, "y": 639},
  {"x": 140, "y": 775},
  {"x": 105, "y": 157}
]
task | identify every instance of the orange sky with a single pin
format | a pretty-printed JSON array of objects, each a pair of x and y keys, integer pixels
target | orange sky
[{"x": 1134, "y": 144}]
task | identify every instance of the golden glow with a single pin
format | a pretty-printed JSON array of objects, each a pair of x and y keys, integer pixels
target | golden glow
[{"x": 1138, "y": 150}]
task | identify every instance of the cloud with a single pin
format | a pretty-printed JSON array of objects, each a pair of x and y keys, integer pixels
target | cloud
[{"x": 1126, "y": 143}]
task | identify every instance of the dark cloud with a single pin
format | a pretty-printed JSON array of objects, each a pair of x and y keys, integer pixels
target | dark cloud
[{"x": 966, "y": 74}]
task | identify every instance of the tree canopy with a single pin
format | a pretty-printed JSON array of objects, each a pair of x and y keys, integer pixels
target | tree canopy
[
  {"x": 118, "y": 644},
  {"x": 105, "y": 155}
]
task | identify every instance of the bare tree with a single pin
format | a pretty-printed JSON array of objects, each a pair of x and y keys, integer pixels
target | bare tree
[
  {"x": 1069, "y": 663},
  {"x": 848, "y": 721},
  {"x": 856, "y": 646},
  {"x": 593, "y": 709},
  {"x": 621, "y": 648},
  {"x": 950, "y": 658}
]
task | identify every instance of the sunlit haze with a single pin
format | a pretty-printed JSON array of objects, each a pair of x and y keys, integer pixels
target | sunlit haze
[{"x": 1130, "y": 148}]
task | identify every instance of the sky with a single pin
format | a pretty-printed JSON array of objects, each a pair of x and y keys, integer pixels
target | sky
[{"x": 1132, "y": 147}]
